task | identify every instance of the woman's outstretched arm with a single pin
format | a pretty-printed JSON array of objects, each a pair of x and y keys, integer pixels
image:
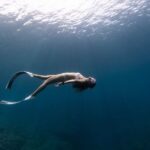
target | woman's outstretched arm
[{"x": 69, "y": 81}]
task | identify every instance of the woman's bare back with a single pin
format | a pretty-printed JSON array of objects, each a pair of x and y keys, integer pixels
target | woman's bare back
[{"x": 68, "y": 76}]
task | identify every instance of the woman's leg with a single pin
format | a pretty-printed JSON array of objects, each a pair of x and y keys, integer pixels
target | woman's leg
[
  {"x": 43, "y": 77},
  {"x": 50, "y": 80}
]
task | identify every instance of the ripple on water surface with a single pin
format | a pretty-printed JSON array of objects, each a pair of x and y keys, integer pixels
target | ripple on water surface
[{"x": 72, "y": 16}]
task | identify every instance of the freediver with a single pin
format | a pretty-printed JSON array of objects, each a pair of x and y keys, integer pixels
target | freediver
[{"x": 77, "y": 80}]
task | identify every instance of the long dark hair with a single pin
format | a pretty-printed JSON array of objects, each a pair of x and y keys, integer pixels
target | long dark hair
[{"x": 80, "y": 87}]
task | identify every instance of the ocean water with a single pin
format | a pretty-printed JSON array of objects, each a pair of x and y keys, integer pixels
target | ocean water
[{"x": 107, "y": 39}]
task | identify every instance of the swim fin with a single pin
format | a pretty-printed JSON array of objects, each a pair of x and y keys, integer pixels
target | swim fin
[
  {"x": 5, "y": 102},
  {"x": 9, "y": 84}
]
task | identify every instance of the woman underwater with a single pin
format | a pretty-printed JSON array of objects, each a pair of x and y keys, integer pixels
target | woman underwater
[{"x": 77, "y": 80}]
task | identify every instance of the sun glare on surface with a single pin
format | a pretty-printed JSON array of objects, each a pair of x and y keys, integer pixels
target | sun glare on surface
[{"x": 72, "y": 15}]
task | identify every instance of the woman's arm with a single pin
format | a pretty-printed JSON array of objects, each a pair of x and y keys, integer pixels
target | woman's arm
[{"x": 69, "y": 81}]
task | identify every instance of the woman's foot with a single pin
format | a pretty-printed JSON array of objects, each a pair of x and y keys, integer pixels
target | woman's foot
[
  {"x": 29, "y": 97},
  {"x": 30, "y": 74}
]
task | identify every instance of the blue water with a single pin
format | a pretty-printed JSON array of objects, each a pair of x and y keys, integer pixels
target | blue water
[{"x": 115, "y": 50}]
